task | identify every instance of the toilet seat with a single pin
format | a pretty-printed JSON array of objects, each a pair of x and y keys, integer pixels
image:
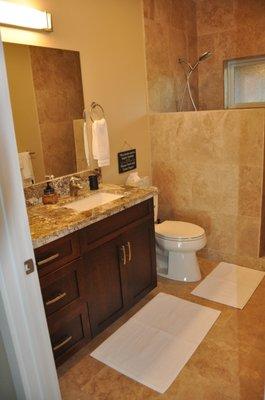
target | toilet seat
[{"x": 179, "y": 231}]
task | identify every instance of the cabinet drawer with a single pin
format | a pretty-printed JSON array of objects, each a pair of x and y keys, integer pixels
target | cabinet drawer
[
  {"x": 57, "y": 253},
  {"x": 61, "y": 287},
  {"x": 111, "y": 224},
  {"x": 69, "y": 331}
]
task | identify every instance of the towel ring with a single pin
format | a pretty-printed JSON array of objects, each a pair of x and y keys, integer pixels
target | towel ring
[{"x": 93, "y": 106}]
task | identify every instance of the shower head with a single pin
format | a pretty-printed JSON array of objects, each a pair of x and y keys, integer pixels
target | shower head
[
  {"x": 191, "y": 68},
  {"x": 204, "y": 56}
]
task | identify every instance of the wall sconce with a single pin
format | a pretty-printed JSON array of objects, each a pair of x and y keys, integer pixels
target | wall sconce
[{"x": 16, "y": 15}]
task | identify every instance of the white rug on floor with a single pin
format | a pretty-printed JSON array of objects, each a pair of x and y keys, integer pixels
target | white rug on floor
[
  {"x": 155, "y": 344},
  {"x": 229, "y": 284}
]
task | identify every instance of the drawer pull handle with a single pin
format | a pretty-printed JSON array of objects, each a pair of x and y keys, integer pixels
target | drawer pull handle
[
  {"x": 128, "y": 245},
  {"x": 46, "y": 260},
  {"x": 55, "y": 299},
  {"x": 58, "y": 346},
  {"x": 123, "y": 255}
]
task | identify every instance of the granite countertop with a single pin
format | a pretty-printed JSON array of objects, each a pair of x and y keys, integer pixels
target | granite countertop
[{"x": 51, "y": 222}]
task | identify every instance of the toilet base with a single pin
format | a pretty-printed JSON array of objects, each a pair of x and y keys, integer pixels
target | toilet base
[{"x": 179, "y": 266}]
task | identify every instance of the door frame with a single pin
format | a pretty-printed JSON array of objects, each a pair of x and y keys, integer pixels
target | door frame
[{"x": 22, "y": 318}]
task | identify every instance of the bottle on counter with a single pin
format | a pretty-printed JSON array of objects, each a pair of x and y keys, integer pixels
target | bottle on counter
[
  {"x": 49, "y": 195},
  {"x": 93, "y": 182}
]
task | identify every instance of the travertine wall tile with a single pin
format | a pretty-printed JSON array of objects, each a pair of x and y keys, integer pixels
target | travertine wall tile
[
  {"x": 248, "y": 234},
  {"x": 222, "y": 234},
  {"x": 170, "y": 34},
  {"x": 229, "y": 29},
  {"x": 250, "y": 191},
  {"x": 208, "y": 167}
]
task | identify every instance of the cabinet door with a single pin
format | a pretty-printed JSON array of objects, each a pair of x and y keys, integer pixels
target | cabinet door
[
  {"x": 141, "y": 274},
  {"x": 103, "y": 280}
]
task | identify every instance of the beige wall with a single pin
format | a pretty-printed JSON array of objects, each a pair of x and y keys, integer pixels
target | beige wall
[
  {"x": 208, "y": 167},
  {"x": 109, "y": 36},
  {"x": 24, "y": 105}
]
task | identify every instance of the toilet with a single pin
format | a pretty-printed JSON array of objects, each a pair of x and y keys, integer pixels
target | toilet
[{"x": 176, "y": 245}]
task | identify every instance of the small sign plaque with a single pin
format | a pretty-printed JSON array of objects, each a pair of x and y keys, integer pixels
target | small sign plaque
[{"x": 127, "y": 160}]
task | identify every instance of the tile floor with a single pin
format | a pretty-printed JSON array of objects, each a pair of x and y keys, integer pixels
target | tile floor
[{"x": 228, "y": 365}]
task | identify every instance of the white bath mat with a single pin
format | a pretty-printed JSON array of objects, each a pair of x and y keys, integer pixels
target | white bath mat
[
  {"x": 229, "y": 284},
  {"x": 155, "y": 344}
]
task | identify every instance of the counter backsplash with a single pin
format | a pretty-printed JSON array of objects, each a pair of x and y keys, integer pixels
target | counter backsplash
[{"x": 33, "y": 194}]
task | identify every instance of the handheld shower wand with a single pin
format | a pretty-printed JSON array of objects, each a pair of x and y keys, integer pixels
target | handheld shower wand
[{"x": 188, "y": 73}]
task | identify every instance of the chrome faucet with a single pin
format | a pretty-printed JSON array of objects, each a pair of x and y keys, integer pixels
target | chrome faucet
[{"x": 74, "y": 186}]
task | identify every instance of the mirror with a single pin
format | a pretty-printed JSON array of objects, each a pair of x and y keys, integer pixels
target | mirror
[{"x": 47, "y": 102}]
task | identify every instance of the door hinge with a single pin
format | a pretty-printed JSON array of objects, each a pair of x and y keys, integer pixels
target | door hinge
[{"x": 29, "y": 266}]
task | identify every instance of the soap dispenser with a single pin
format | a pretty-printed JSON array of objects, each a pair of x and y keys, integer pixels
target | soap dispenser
[{"x": 49, "y": 195}]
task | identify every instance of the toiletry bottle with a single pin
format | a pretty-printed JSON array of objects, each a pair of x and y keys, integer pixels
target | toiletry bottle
[
  {"x": 49, "y": 195},
  {"x": 93, "y": 182}
]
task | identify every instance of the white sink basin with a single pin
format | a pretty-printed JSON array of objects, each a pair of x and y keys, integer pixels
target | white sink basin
[{"x": 94, "y": 200}]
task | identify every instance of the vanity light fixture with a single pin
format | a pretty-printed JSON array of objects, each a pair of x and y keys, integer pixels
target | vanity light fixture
[{"x": 19, "y": 16}]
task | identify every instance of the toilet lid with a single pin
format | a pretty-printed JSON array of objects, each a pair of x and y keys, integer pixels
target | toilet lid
[{"x": 179, "y": 230}]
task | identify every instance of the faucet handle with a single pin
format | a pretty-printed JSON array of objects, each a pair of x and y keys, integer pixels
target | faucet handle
[
  {"x": 75, "y": 179},
  {"x": 74, "y": 185}
]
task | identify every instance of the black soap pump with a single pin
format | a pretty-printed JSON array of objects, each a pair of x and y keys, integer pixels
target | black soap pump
[
  {"x": 49, "y": 195},
  {"x": 93, "y": 182}
]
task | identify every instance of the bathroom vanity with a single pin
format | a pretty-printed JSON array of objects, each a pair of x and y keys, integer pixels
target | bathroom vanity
[
  {"x": 92, "y": 276},
  {"x": 95, "y": 253}
]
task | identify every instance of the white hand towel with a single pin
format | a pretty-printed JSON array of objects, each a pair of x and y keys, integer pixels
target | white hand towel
[
  {"x": 100, "y": 142},
  {"x": 26, "y": 167},
  {"x": 86, "y": 143}
]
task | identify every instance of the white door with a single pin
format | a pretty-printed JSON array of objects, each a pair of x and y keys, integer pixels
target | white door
[{"x": 22, "y": 319}]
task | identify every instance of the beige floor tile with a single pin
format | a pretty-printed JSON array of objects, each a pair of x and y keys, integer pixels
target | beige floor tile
[{"x": 228, "y": 365}]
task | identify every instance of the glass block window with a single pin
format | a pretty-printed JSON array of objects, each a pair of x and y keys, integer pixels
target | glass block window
[{"x": 244, "y": 81}]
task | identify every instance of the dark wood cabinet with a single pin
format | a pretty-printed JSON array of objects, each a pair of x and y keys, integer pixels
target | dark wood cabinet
[
  {"x": 57, "y": 253},
  {"x": 98, "y": 273},
  {"x": 103, "y": 277},
  {"x": 140, "y": 252},
  {"x": 62, "y": 286},
  {"x": 69, "y": 330}
]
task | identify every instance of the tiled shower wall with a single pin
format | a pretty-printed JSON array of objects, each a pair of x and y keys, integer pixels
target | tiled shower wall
[
  {"x": 170, "y": 33},
  {"x": 187, "y": 28},
  {"x": 208, "y": 167},
  {"x": 230, "y": 29}
]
